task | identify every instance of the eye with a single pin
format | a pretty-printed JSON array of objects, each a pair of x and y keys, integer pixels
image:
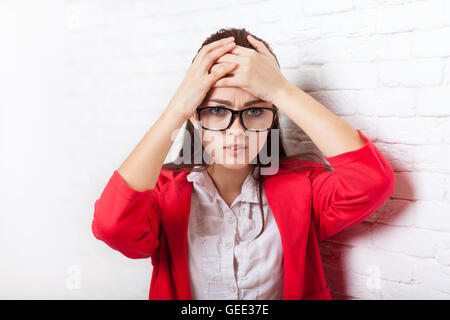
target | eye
[
  {"x": 254, "y": 112},
  {"x": 216, "y": 111}
]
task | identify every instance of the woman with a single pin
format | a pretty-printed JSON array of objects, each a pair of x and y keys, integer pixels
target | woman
[{"x": 242, "y": 220}]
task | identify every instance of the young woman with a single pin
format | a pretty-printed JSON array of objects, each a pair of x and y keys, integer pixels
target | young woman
[{"x": 238, "y": 224}]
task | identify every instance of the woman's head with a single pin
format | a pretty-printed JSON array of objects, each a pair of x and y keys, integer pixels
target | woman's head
[
  {"x": 247, "y": 132},
  {"x": 260, "y": 117}
]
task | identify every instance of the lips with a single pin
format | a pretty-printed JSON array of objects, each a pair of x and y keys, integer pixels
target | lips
[{"x": 235, "y": 146}]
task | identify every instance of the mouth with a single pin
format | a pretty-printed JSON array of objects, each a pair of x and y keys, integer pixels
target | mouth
[{"x": 235, "y": 147}]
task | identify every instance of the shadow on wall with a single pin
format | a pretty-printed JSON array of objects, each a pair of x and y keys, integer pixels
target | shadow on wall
[{"x": 352, "y": 267}]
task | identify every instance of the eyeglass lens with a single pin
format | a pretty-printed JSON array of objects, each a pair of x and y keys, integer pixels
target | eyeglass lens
[{"x": 254, "y": 119}]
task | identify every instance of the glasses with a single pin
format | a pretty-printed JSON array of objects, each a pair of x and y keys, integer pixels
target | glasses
[{"x": 220, "y": 118}]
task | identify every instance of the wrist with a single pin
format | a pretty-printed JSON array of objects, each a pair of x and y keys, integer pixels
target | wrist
[
  {"x": 176, "y": 111},
  {"x": 284, "y": 92},
  {"x": 175, "y": 116}
]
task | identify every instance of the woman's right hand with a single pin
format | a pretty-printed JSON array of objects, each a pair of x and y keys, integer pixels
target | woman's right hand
[{"x": 198, "y": 81}]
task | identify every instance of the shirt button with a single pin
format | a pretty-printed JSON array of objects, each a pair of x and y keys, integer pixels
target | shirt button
[
  {"x": 228, "y": 245},
  {"x": 230, "y": 220}
]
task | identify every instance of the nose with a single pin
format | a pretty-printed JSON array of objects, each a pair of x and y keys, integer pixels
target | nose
[{"x": 236, "y": 125}]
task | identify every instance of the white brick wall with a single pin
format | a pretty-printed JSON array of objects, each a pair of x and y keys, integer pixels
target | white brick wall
[{"x": 83, "y": 80}]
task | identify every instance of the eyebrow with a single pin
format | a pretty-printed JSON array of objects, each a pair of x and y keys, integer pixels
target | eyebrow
[{"x": 228, "y": 103}]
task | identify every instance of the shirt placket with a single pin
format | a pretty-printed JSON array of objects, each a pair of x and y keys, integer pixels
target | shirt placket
[
  {"x": 248, "y": 227},
  {"x": 227, "y": 281}
]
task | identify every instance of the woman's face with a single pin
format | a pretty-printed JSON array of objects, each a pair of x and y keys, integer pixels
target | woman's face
[{"x": 218, "y": 143}]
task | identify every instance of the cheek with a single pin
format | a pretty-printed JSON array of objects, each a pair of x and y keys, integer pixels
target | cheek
[
  {"x": 212, "y": 140},
  {"x": 256, "y": 142}
]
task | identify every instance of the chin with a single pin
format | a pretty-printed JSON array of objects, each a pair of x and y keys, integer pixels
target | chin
[
  {"x": 232, "y": 162},
  {"x": 232, "y": 166}
]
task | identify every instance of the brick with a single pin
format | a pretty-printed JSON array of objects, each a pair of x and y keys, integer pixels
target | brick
[
  {"x": 306, "y": 78},
  {"x": 381, "y": 47},
  {"x": 324, "y": 50},
  {"x": 418, "y": 15},
  {"x": 369, "y": 261},
  {"x": 356, "y": 75},
  {"x": 432, "y": 158},
  {"x": 394, "y": 102},
  {"x": 431, "y": 215},
  {"x": 346, "y": 283},
  {"x": 352, "y": 23},
  {"x": 410, "y": 241},
  {"x": 309, "y": 29},
  {"x": 419, "y": 186},
  {"x": 432, "y": 275},
  {"x": 441, "y": 242},
  {"x": 411, "y": 73},
  {"x": 388, "y": 20},
  {"x": 415, "y": 131},
  {"x": 314, "y": 7},
  {"x": 433, "y": 101},
  {"x": 428, "y": 43},
  {"x": 393, "y": 290},
  {"x": 341, "y": 102}
]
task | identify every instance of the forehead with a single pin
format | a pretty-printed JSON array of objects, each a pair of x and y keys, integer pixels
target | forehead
[{"x": 233, "y": 94}]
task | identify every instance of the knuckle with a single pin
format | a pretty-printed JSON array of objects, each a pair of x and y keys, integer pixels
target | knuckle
[
  {"x": 200, "y": 55},
  {"x": 216, "y": 71},
  {"x": 208, "y": 56},
  {"x": 204, "y": 85},
  {"x": 206, "y": 48},
  {"x": 210, "y": 46}
]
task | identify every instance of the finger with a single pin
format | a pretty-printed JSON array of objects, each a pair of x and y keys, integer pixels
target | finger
[
  {"x": 243, "y": 51},
  {"x": 208, "y": 60},
  {"x": 211, "y": 46},
  {"x": 258, "y": 45},
  {"x": 216, "y": 44},
  {"x": 227, "y": 82},
  {"x": 219, "y": 70},
  {"x": 232, "y": 58}
]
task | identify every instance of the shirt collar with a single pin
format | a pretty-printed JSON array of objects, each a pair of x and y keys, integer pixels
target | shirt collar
[{"x": 249, "y": 190}]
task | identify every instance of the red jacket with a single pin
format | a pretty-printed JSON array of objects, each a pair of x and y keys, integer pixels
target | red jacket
[{"x": 308, "y": 206}]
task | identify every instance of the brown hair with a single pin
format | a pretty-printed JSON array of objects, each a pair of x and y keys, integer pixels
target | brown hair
[{"x": 240, "y": 38}]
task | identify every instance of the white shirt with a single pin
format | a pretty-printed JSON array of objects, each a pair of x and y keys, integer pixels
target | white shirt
[{"x": 225, "y": 260}]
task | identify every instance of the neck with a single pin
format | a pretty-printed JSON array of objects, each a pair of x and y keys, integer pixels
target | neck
[{"x": 228, "y": 181}]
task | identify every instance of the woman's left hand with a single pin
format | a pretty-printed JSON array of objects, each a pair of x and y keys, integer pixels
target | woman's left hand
[{"x": 257, "y": 71}]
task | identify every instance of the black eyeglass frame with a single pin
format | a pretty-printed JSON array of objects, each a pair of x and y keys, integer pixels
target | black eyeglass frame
[{"x": 238, "y": 112}]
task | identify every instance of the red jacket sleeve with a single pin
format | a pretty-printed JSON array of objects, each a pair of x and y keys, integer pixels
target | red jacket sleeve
[
  {"x": 128, "y": 220},
  {"x": 361, "y": 182}
]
